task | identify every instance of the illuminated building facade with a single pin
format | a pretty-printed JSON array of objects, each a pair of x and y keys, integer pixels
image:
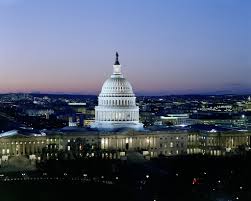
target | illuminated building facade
[{"x": 117, "y": 103}]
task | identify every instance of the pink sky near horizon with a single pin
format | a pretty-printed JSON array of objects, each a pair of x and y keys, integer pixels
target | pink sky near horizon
[{"x": 170, "y": 47}]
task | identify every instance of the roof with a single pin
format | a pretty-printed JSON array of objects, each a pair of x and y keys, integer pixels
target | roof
[{"x": 23, "y": 132}]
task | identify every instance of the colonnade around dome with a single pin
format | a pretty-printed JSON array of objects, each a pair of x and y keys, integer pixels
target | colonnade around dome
[
  {"x": 117, "y": 116},
  {"x": 113, "y": 101}
]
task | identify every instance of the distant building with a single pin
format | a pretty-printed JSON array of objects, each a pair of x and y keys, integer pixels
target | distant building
[
  {"x": 78, "y": 107},
  {"x": 72, "y": 122},
  {"x": 39, "y": 112},
  {"x": 248, "y": 105},
  {"x": 88, "y": 122},
  {"x": 178, "y": 120}
]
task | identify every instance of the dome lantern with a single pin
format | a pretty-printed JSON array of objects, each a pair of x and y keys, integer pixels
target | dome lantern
[{"x": 117, "y": 67}]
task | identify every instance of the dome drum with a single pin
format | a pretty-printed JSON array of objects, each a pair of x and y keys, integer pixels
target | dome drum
[{"x": 119, "y": 102}]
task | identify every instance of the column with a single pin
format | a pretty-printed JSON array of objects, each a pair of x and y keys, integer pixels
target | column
[
  {"x": 32, "y": 148},
  {"x": 23, "y": 145},
  {"x": 122, "y": 116}
]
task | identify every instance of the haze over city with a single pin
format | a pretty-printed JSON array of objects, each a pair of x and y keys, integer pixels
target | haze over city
[{"x": 168, "y": 47}]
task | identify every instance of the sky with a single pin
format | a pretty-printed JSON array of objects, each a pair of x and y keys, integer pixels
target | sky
[{"x": 165, "y": 46}]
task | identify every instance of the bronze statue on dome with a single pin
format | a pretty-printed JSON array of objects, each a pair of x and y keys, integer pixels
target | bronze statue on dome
[{"x": 117, "y": 59}]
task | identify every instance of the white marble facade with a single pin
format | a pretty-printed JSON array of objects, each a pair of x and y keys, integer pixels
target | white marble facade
[{"x": 117, "y": 103}]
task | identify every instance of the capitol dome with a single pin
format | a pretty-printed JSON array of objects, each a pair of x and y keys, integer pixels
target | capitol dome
[
  {"x": 116, "y": 87},
  {"x": 117, "y": 103}
]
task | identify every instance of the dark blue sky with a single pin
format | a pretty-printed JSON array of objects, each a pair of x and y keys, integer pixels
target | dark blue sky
[{"x": 165, "y": 46}]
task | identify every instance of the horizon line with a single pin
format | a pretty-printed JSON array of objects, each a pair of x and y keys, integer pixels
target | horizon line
[{"x": 160, "y": 95}]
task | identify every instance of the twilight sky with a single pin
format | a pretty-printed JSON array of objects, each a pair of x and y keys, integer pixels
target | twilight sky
[{"x": 165, "y": 46}]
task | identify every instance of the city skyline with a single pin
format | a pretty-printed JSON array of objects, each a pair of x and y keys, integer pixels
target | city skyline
[{"x": 165, "y": 47}]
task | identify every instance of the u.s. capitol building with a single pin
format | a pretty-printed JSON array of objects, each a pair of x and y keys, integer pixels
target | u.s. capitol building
[{"x": 117, "y": 132}]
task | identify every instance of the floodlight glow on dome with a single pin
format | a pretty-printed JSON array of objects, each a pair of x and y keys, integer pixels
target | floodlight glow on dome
[{"x": 117, "y": 103}]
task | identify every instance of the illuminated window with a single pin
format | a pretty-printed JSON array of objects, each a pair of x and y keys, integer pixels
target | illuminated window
[
  {"x": 102, "y": 142},
  {"x": 171, "y": 144},
  {"x": 147, "y": 140},
  {"x": 130, "y": 140}
]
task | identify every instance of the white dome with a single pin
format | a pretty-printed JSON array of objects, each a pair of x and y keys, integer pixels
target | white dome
[
  {"x": 116, "y": 86},
  {"x": 117, "y": 103}
]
